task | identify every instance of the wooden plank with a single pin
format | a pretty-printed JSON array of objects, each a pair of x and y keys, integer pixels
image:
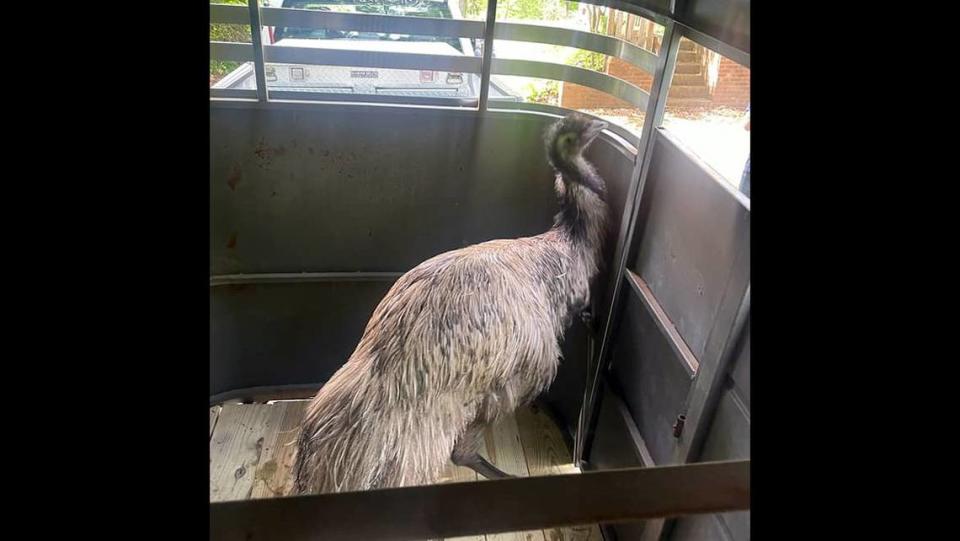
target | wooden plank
[
  {"x": 274, "y": 473},
  {"x": 237, "y": 446},
  {"x": 547, "y": 454},
  {"x": 504, "y": 450},
  {"x": 214, "y": 413},
  {"x": 543, "y": 445}
]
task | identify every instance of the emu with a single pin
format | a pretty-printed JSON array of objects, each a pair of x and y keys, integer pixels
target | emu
[{"x": 459, "y": 341}]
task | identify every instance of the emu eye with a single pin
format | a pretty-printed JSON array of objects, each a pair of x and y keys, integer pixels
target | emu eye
[{"x": 566, "y": 141}]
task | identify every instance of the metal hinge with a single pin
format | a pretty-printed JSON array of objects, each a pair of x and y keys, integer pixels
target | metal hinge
[
  {"x": 586, "y": 317},
  {"x": 678, "y": 425}
]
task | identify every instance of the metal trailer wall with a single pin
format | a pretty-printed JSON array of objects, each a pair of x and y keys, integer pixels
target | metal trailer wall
[
  {"x": 353, "y": 196},
  {"x": 681, "y": 344},
  {"x": 370, "y": 191}
]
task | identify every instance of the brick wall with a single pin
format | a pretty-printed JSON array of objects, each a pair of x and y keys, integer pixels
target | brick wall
[
  {"x": 733, "y": 85},
  {"x": 732, "y": 89},
  {"x": 574, "y": 96}
]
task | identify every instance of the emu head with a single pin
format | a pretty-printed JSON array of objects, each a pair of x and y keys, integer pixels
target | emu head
[{"x": 569, "y": 137}]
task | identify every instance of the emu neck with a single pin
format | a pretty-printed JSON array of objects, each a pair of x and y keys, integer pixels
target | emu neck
[{"x": 583, "y": 208}]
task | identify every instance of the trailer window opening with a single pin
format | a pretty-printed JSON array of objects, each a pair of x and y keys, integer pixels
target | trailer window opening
[
  {"x": 707, "y": 110},
  {"x": 548, "y": 55}
]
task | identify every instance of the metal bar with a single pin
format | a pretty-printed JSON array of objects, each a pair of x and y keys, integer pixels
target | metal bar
[
  {"x": 630, "y": 139},
  {"x": 632, "y": 7},
  {"x": 302, "y": 277},
  {"x": 639, "y": 444},
  {"x": 677, "y": 344},
  {"x": 236, "y": 78},
  {"x": 302, "y": 95},
  {"x": 441, "y": 27},
  {"x": 707, "y": 386},
  {"x": 658, "y": 97},
  {"x": 269, "y": 392},
  {"x": 485, "y": 68},
  {"x": 714, "y": 44},
  {"x": 369, "y": 59},
  {"x": 599, "y": 43},
  {"x": 421, "y": 26},
  {"x": 229, "y": 14},
  {"x": 505, "y": 505},
  {"x": 573, "y": 74},
  {"x": 233, "y": 93},
  {"x": 226, "y": 50},
  {"x": 258, "y": 67}
]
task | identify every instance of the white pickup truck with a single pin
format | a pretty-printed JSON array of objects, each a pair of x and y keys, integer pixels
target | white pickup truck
[{"x": 362, "y": 80}]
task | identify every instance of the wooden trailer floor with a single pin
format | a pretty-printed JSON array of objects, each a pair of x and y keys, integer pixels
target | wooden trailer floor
[{"x": 251, "y": 456}]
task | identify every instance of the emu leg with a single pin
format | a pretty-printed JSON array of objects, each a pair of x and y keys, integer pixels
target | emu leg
[{"x": 467, "y": 453}]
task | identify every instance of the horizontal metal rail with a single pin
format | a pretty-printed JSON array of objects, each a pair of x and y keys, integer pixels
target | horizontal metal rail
[
  {"x": 309, "y": 18},
  {"x": 392, "y": 24},
  {"x": 266, "y": 393},
  {"x": 370, "y": 59},
  {"x": 585, "y": 77},
  {"x": 302, "y": 277},
  {"x": 667, "y": 328},
  {"x": 229, "y": 14},
  {"x": 425, "y": 26},
  {"x": 390, "y": 60},
  {"x": 503, "y": 505},
  {"x": 426, "y": 101},
  {"x": 590, "y": 41},
  {"x": 629, "y": 138},
  {"x": 226, "y": 50},
  {"x": 233, "y": 93}
]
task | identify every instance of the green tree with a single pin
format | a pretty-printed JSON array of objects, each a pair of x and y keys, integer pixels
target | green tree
[
  {"x": 544, "y": 10},
  {"x": 237, "y": 33}
]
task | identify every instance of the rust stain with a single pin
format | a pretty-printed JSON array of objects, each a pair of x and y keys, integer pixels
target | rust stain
[
  {"x": 234, "y": 178},
  {"x": 262, "y": 150},
  {"x": 266, "y": 153},
  {"x": 232, "y": 242}
]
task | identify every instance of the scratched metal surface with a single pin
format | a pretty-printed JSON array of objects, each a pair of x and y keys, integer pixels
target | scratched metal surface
[{"x": 371, "y": 189}]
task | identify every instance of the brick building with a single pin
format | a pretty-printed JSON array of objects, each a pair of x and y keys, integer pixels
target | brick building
[{"x": 702, "y": 77}]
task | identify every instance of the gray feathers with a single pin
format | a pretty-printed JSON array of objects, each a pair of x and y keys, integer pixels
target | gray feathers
[{"x": 463, "y": 338}]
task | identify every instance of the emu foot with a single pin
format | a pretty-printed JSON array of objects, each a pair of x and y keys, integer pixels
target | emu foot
[{"x": 480, "y": 465}]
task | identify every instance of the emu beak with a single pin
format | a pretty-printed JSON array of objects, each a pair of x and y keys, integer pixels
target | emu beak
[{"x": 593, "y": 130}]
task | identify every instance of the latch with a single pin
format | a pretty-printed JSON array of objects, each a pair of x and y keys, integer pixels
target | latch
[{"x": 678, "y": 425}]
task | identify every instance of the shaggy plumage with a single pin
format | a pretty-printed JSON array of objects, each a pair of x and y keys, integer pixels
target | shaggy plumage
[{"x": 460, "y": 340}]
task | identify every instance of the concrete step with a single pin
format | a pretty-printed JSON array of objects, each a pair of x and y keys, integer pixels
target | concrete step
[
  {"x": 687, "y": 45},
  {"x": 687, "y": 103},
  {"x": 688, "y": 67},
  {"x": 688, "y": 56},
  {"x": 687, "y": 91},
  {"x": 690, "y": 79}
]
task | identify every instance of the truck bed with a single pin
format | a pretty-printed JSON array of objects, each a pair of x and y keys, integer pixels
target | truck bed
[{"x": 252, "y": 452}]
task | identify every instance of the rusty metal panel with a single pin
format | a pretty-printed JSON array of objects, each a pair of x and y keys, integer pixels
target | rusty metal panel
[
  {"x": 345, "y": 188},
  {"x": 692, "y": 228},
  {"x": 264, "y": 335},
  {"x": 655, "y": 383}
]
